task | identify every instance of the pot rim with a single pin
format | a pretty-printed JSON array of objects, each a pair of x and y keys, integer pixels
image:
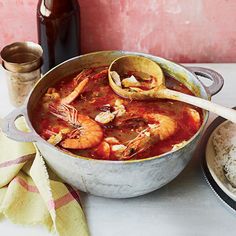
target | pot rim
[{"x": 160, "y": 157}]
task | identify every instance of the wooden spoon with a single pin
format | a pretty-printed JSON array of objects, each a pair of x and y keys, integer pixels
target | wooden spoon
[{"x": 125, "y": 64}]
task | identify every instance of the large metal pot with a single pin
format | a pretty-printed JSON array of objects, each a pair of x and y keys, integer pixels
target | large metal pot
[{"x": 114, "y": 179}]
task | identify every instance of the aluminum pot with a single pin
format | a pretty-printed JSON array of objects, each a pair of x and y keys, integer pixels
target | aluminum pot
[{"x": 113, "y": 179}]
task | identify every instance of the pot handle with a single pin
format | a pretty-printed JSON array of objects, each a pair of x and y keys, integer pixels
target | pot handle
[
  {"x": 10, "y": 130},
  {"x": 215, "y": 77}
]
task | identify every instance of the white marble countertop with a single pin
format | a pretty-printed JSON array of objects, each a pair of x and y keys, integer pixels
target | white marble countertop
[{"x": 186, "y": 206}]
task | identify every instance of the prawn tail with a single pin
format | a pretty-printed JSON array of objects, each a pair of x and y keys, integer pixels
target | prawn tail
[{"x": 76, "y": 92}]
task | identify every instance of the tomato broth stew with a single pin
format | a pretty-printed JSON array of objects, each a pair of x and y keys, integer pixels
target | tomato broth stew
[{"x": 81, "y": 114}]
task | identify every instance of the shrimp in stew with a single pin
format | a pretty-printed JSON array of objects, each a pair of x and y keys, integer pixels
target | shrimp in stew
[{"x": 82, "y": 115}]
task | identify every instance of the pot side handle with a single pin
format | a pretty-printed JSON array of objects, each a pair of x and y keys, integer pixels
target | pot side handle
[
  {"x": 215, "y": 77},
  {"x": 10, "y": 130}
]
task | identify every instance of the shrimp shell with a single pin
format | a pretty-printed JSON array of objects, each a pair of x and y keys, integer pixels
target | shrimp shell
[
  {"x": 160, "y": 128},
  {"x": 163, "y": 127},
  {"x": 76, "y": 92},
  {"x": 87, "y": 132}
]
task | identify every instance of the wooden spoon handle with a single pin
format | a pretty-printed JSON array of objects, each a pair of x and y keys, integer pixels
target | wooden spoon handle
[{"x": 225, "y": 112}]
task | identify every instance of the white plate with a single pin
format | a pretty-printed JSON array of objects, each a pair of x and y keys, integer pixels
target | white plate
[{"x": 216, "y": 168}]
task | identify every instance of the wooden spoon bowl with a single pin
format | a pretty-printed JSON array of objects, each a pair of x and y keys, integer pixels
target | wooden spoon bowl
[{"x": 126, "y": 64}]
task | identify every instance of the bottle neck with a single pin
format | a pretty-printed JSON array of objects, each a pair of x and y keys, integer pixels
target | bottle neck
[{"x": 57, "y": 7}]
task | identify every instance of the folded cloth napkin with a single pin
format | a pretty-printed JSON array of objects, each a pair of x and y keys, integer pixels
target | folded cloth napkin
[{"x": 30, "y": 193}]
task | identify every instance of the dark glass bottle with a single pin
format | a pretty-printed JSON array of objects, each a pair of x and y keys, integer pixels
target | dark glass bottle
[{"x": 58, "y": 24}]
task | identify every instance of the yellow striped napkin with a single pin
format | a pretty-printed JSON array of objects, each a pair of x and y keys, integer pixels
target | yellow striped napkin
[{"x": 30, "y": 193}]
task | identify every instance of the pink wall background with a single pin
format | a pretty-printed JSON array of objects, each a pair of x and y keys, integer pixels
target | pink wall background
[{"x": 181, "y": 30}]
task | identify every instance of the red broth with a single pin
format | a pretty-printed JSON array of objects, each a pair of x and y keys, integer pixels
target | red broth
[{"x": 95, "y": 99}]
